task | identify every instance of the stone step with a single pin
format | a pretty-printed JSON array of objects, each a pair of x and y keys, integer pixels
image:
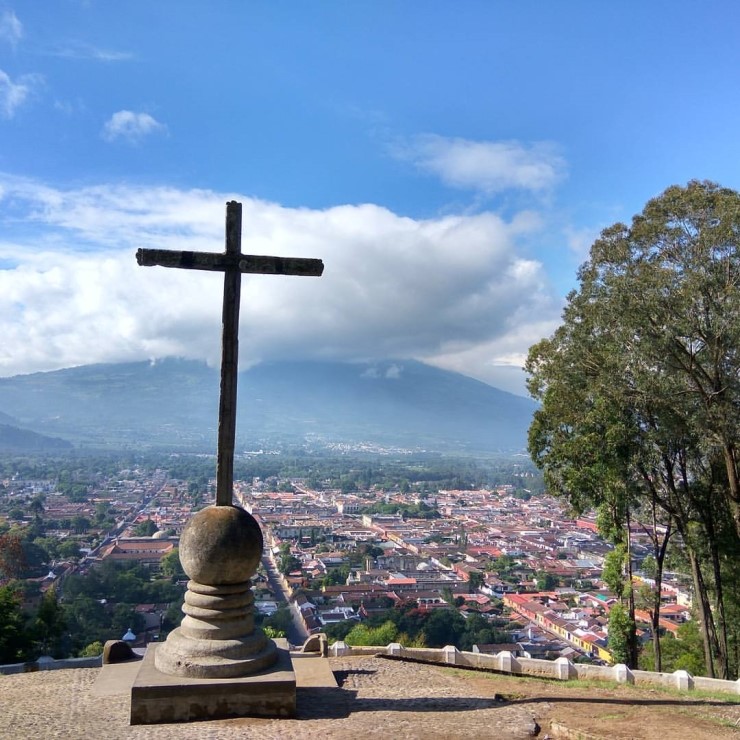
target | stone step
[{"x": 312, "y": 671}]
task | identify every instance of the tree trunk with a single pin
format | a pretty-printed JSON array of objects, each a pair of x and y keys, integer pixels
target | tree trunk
[
  {"x": 633, "y": 648},
  {"x": 723, "y": 658},
  {"x": 683, "y": 523},
  {"x": 660, "y": 552},
  {"x": 706, "y": 625},
  {"x": 733, "y": 484}
]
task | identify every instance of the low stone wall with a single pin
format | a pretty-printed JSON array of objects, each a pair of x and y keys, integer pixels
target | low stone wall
[
  {"x": 49, "y": 664},
  {"x": 504, "y": 662},
  {"x": 561, "y": 669},
  {"x": 702, "y": 683}
]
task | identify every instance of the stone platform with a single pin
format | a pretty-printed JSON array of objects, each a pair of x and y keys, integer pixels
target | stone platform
[{"x": 157, "y": 697}]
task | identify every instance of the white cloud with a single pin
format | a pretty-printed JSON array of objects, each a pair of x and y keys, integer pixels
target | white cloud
[
  {"x": 14, "y": 94},
  {"x": 82, "y": 50},
  {"x": 11, "y": 29},
  {"x": 452, "y": 291},
  {"x": 69, "y": 107},
  {"x": 131, "y": 127},
  {"x": 393, "y": 372},
  {"x": 485, "y": 166}
]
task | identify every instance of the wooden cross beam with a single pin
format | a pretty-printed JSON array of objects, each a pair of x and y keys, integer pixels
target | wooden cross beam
[{"x": 232, "y": 263}]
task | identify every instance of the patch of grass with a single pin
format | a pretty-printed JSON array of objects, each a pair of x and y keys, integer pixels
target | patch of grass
[
  {"x": 593, "y": 684},
  {"x": 701, "y": 694},
  {"x": 709, "y": 717},
  {"x": 537, "y": 680}
]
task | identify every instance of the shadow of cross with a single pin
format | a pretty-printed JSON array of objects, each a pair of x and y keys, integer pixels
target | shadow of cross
[{"x": 232, "y": 263}]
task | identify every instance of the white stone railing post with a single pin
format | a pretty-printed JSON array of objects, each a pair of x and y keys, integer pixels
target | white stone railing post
[
  {"x": 395, "y": 648},
  {"x": 450, "y": 654},
  {"x": 684, "y": 680},
  {"x": 340, "y": 648},
  {"x": 505, "y": 661},
  {"x": 622, "y": 674},
  {"x": 564, "y": 669}
]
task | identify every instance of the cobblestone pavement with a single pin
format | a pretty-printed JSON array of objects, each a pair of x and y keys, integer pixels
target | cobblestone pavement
[{"x": 399, "y": 699}]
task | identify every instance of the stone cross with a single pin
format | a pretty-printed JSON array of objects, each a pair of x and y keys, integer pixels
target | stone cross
[{"x": 232, "y": 263}]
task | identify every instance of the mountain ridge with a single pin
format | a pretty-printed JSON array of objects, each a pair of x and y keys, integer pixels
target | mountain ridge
[{"x": 174, "y": 403}]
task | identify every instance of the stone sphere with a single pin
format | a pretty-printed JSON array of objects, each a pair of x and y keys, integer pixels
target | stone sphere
[{"x": 221, "y": 545}]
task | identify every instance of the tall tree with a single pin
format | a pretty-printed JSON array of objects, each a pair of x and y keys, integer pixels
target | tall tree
[
  {"x": 12, "y": 556},
  {"x": 49, "y": 625},
  {"x": 640, "y": 386},
  {"x": 14, "y": 637}
]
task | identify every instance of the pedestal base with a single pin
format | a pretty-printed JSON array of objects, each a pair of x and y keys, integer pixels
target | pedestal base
[
  {"x": 181, "y": 655},
  {"x": 157, "y": 697}
]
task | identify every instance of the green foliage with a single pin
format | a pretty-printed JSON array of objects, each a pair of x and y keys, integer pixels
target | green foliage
[
  {"x": 124, "y": 617},
  {"x": 76, "y": 493},
  {"x": 170, "y": 565},
  {"x": 80, "y": 524},
  {"x": 502, "y": 565},
  {"x": 14, "y": 639},
  {"x": 684, "y": 653},
  {"x": 50, "y": 547},
  {"x": 640, "y": 386},
  {"x": 443, "y": 627},
  {"x": 288, "y": 564},
  {"x": 36, "y": 505},
  {"x": 434, "y": 538},
  {"x": 35, "y": 559},
  {"x": 69, "y": 548},
  {"x": 12, "y": 555},
  {"x": 101, "y": 605},
  {"x": 88, "y": 620},
  {"x": 173, "y": 616},
  {"x": 477, "y": 579},
  {"x": 49, "y": 626},
  {"x": 339, "y": 630},
  {"x": 145, "y": 529},
  {"x": 621, "y": 628},
  {"x": 545, "y": 581},
  {"x": 92, "y": 650},
  {"x": 336, "y": 576},
  {"x": 613, "y": 571},
  {"x": 649, "y": 567},
  {"x": 280, "y": 621},
  {"x": 413, "y": 627},
  {"x": 363, "y": 634},
  {"x": 103, "y": 514},
  {"x": 370, "y": 550},
  {"x": 479, "y": 631}
]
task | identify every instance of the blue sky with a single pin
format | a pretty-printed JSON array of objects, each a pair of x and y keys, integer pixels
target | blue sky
[{"x": 450, "y": 162}]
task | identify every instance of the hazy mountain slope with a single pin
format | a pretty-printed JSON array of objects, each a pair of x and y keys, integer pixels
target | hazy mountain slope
[
  {"x": 13, "y": 439},
  {"x": 175, "y": 403}
]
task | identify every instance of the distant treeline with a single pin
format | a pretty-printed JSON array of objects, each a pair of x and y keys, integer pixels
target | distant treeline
[{"x": 423, "y": 473}]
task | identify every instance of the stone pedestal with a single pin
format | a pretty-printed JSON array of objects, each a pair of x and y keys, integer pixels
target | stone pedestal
[
  {"x": 217, "y": 638},
  {"x": 216, "y": 663},
  {"x": 158, "y": 697}
]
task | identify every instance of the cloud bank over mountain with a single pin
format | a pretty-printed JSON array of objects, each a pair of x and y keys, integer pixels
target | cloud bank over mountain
[{"x": 455, "y": 291}]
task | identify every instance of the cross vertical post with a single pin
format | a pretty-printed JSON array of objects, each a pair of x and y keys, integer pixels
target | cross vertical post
[
  {"x": 232, "y": 263},
  {"x": 229, "y": 360}
]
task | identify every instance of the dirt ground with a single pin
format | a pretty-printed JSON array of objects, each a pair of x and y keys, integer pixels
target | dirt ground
[
  {"x": 614, "y": 712},
  {"x": 381, "y": 697}
]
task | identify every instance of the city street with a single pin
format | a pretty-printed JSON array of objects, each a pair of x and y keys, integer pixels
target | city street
[{"x": 297, "y": 634}]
